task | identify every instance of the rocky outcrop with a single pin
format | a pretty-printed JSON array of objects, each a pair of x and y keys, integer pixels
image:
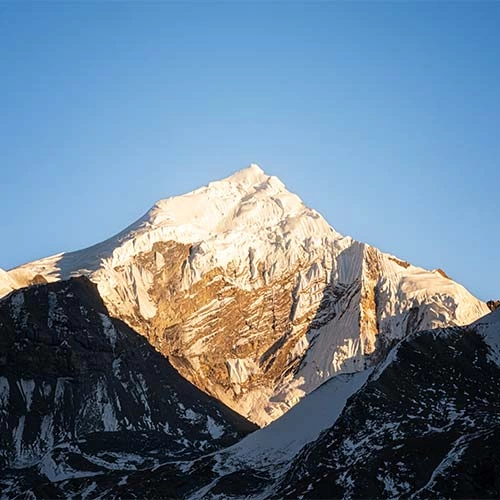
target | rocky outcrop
[{"x": 493, "y": 304}]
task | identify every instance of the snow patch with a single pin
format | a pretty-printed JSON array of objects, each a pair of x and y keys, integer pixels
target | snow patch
[
  {"x": 192, "y": 416},
  {"x": 4, "y": 392},
  {"x": 27, "y": 386},
  {"x": 281, "y": 440},
  {"x": 241, "y": 369},
  {"x": 59, "y": 471},
  {"x": 18, "y": 437},
  {"x": 17, "y": 304},
  {"x": 214, "y": 429},
  {"x": 109, "y": 330},
  {"x": 59, "y": 392},
  {"x": 104, "y": 403}
]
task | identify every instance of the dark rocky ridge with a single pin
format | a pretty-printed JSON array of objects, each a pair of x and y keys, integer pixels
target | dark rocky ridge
[
  {"x": 493, "y": 304},
  {"x": 425, "y": 425},
  {"x": 82, "y": 391}
]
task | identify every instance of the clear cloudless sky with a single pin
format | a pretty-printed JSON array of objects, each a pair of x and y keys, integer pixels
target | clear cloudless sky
[{"x": 383, "y": 116}]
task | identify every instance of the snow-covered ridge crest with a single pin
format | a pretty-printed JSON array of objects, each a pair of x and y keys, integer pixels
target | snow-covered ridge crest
[
  {"x": 7, "y": 284},
  {"x": 226, "y": 214},
  {"x": 255, "y": 298},
  {"x": 246, "y": 218}
]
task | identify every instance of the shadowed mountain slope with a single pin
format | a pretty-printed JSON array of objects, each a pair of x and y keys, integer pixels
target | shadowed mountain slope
[{"x": 81, "y": 393}]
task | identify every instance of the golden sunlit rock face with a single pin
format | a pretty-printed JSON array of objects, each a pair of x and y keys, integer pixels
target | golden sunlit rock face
[
  {"x": 260, "y": 349},
  {"x": 368, "y": 304},
  {"x": 228, "y": 341}
]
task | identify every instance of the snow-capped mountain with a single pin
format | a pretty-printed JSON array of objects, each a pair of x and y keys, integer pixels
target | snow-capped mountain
[
  {"x": 253, "y": 296},
  {"x": 82, "y": 394}
]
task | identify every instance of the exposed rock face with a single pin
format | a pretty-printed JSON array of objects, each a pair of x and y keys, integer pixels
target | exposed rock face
[
  {"x": 493, "y": 304},
  {"x": 82, "y": 391},
  {"x": 254, "y": 297}
]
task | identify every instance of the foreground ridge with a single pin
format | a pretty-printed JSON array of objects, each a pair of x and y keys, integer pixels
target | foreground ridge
[
  {"x": 423, "y": 423},
  {"x": 82, "y": 394}
]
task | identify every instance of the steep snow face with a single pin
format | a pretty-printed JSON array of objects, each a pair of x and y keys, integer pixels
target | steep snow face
[
  {"x": 280, "y": 441},
  {"x": 253, "y": 296},
  {"x": 6, "y": 283},
  {"x": 489, "y": 328}
]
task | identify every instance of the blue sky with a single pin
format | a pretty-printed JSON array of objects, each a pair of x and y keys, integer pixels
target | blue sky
[{"x": 381, "y": 115}]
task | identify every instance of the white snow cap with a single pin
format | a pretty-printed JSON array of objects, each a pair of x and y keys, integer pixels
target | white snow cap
[{"x": 251, "y": 174}]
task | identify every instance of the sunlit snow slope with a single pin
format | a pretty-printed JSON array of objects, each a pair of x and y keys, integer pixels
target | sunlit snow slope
[{"x": 254, "y": 297}]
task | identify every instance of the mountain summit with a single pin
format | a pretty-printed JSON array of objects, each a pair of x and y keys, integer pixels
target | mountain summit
[{"x": 253, "y": 296}]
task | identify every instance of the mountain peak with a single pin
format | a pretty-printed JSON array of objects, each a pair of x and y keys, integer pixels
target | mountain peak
[
  {"x": 248, "y": 177},
  {"x": 247, "y": 198},
  {"x": 229, "y": 276},
  {"x": 254, "y": 167},
  {"x": 252, "y": 170},
  {"x": 236, "y": 186}
]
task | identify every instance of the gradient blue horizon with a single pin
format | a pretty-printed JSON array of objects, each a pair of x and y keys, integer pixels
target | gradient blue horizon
[{"x": 381, "y": 116}]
